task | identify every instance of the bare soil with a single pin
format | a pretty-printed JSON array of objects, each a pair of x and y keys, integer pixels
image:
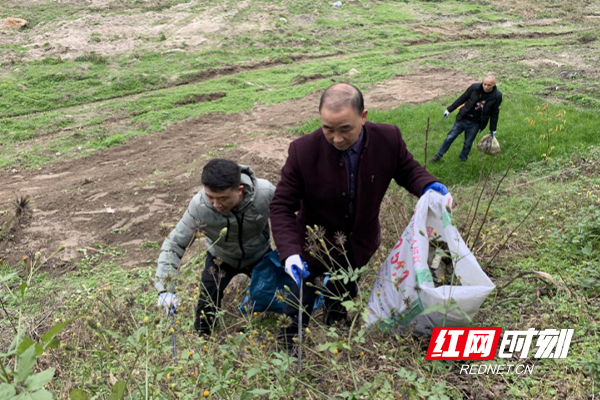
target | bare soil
[
  {"x": 123, "y": 195},
  {"x": 115, "y": 29}
]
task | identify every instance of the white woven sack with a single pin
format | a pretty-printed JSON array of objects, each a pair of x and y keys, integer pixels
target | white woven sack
[{"x": 404, "y": 294}]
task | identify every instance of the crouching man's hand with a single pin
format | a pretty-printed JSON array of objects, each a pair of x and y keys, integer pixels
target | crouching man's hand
[{"x": 169, "y": 301}]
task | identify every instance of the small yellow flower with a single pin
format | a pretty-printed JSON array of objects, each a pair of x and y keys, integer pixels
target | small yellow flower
[
  {"x": 206, "y": 393},
  {"x": 434, "y": 232},
  {"x": 146, "y": 319},
  {"x": 335, "y": 351},
  {"x": 378, "y": 292},
  {"x": 191, "y": 352},
  {"x": 255, "y": 313},
  {"x": 25, "y": 258},
  {"x": 205, "y": 347},
  {"x": 489, "y": 211},
  {"x": 171, "y": 330},
  {"x": 111, "y": 347},
  {"x": 178, "y": 322},
  {"x": 192, "y": 374},
  {"x": 223, "y": 232},
  {"x": 262, "y": 346},
  {"x": 307, "y": 331},
  {"x": 362, "y": 353}
]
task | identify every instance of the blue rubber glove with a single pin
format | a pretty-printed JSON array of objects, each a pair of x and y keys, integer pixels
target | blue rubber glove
[
  {"x": 296, "y": 268},
  {"x": 492, "y": 133},
  {"x": 436, "y": 187}
]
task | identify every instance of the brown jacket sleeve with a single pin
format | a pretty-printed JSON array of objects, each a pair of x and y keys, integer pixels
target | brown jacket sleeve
[
  {"x": 286, "y": 202},
  {"x": 409, "y": 173}
]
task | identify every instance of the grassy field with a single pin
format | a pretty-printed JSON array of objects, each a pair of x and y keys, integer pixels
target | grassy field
[{"x": 81, "y": 81}]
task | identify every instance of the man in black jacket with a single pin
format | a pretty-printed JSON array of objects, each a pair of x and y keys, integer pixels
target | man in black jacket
[{"x": 478, "y": 105}]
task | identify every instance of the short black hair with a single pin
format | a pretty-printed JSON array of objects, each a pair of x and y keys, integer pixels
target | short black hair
[
  {"x": 341, "y": 95},
  {"x": 220, "y": 174}
]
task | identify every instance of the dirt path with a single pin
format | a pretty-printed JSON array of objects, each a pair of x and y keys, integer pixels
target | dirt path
[{"x": 121, "y": 196}]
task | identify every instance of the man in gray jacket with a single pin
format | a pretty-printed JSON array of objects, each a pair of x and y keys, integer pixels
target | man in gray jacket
[{"x": 232, "y": 211}]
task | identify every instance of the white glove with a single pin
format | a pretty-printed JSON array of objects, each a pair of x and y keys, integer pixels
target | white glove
[
  {"x": 169, "y": 301},
  {"x": 446, "y": 113},
  {"x": 295, "y": 267}
]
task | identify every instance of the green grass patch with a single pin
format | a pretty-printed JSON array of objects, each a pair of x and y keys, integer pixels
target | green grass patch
[
  {"x": 516, "y": 137},
  {"x": 153, "y": 111},
  {"x": 374, "y": 42}
]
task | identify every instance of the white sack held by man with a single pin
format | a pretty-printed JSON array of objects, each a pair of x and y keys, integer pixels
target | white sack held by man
[{"x": 418, "y": 290}]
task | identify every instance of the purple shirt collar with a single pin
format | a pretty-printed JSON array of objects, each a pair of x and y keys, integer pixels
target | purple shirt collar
[{"x": 357, "y": 147}]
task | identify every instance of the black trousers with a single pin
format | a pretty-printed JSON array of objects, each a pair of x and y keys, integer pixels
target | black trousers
[
  {"x": 335, "y": 293},
  {"x": 215, "y": 278}
]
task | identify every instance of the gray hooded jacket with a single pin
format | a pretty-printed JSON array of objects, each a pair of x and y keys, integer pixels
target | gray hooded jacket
[{"x": 246, "y": 240}]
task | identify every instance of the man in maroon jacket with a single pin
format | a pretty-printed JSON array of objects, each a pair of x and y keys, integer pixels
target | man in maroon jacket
[{"x": 336, "y": 178}]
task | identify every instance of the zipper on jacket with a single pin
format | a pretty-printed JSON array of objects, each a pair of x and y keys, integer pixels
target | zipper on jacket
[{"x": 240, "y": 230}]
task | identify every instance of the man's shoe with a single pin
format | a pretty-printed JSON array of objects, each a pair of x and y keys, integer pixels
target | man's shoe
[{"x": 435, "y": 158}]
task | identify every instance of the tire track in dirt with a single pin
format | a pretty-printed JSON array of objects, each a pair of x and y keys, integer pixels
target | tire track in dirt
[{"x": 120, "y": 196}]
